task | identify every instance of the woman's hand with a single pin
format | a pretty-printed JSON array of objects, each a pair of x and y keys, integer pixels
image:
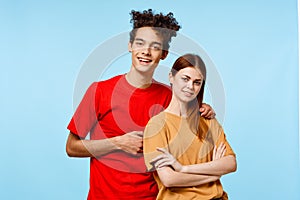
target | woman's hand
[
  {"x": 166, "y": 159},
  {"x": 219, "y": 151}
]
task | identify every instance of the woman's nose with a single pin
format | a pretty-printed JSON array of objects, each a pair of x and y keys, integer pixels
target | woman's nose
[{"x": 190, "y": 85}]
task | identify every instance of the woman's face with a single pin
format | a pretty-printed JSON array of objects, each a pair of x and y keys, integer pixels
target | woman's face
[{"x": 186, "y": 84}]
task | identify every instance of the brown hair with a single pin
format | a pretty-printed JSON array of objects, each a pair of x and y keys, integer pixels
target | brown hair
[
  {"x": 191, "y": 60},
  {"x": 165, "y": 25}
]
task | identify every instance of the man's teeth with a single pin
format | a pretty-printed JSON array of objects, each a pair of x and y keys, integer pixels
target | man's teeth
[{"x": 144, "y": 60}]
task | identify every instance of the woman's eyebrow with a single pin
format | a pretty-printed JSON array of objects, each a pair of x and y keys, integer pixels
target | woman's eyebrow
[{"x": 187, "y": 76}]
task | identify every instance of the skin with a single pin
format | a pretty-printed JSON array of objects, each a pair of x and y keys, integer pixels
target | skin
[
  {"x": 186, "y": 85},
  {"x": 146, "y": 52}
]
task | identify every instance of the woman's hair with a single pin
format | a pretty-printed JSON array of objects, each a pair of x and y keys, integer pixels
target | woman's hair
[
  {"x": 191, "y": 60},
  {"x": 165, "y": 25}
]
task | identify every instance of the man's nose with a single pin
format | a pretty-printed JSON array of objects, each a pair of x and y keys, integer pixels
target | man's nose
[{"x": 146, "y": 50}]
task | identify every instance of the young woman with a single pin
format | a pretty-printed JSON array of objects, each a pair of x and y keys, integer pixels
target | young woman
[{"x": 188, "y": 152}]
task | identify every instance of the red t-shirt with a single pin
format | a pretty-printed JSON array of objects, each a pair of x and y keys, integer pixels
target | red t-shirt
[{"x": 111, "y": 108}]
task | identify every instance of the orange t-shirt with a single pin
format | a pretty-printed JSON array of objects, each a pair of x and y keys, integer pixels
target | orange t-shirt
[{"x": 172, "y": 132}]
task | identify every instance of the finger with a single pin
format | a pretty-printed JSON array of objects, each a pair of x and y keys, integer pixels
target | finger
[
  {"x": 222, "y": 147},
  {"x": 221, "y": 150},
  {"x": 159, "y": 157},
  {"x": 162, "y": 163},
  {"x": 138, "y": 134},
  {"x": 214, "y": 151},
  {"x": 157, "y": 163},
  {"x": 162, "y": 150},
  {"x": 204, "y": 113},
  {"x": 223, "y": 153},
  {"x": 211, "y": 114}
]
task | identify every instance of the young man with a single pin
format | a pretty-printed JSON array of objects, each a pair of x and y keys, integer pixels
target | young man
[{"x": 116, "y": 111}]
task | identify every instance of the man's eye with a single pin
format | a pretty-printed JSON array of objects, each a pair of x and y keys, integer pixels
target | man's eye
[{"x": 155, "y": 47}]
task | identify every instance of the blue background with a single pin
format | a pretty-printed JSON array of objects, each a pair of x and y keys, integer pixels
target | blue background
[{"x": 43, "y": 45}]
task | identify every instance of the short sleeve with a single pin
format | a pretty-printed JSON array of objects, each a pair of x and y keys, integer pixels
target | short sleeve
[
  {"x": 155, "y": 135},
  {"x": 222, "y": 138},
  {"x": 85, "y": 116}
]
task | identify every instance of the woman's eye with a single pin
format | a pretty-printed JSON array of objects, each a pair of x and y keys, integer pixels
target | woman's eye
[
  {"x": 198, "y": 83},
  {"x": 185, "y": 79}
]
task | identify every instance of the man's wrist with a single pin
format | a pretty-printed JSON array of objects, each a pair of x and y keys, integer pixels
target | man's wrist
[{"x": 115, "y": 141}]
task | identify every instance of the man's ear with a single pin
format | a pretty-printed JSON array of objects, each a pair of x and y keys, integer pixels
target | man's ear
[
  {"x": 164, "y": 54},
  {"x": 129, "y": 46}
]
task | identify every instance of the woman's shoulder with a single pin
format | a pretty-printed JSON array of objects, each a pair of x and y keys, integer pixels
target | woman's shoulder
[
  {"x": 160, "y": 118},
  {"x": 209, "y": 122},
  {"x": 210, "y": 126}
]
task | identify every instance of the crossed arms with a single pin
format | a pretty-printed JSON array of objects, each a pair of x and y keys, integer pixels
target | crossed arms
[{"x": 173, "y": 174}]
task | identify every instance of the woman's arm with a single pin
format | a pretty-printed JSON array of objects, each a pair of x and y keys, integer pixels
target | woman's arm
[
  {"x": 171, "y": 178},
  {"x": 219, "y": 166}
]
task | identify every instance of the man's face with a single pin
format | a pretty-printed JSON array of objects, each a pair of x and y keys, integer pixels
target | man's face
[{"x": 146, "y": 50}]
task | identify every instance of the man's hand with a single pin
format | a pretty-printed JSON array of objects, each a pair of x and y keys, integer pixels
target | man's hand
[
  {"x": 131, "y": 142},
  {"x": 166, "y": 159},
  {"x": 207, "y": 111}
]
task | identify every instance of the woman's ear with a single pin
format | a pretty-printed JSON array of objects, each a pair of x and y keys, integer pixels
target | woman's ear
[{"x": 171, "y": 78}]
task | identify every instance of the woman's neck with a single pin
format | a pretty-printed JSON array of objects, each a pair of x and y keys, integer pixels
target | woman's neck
[{"x": 182, "y": 109}]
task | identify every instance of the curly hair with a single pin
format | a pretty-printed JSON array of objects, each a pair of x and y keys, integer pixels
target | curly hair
[{"x": 165, "y": 25}]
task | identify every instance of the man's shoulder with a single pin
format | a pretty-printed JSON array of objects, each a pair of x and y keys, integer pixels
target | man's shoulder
[
  {"x": 161, "y": 85},
  {"x": 98, "y": 87},
  {"x": 162, "y": 89},
  {"x": 110, "y": 81}
]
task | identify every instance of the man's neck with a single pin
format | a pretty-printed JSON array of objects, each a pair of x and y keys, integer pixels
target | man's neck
[{"x": 139, "y": 80}]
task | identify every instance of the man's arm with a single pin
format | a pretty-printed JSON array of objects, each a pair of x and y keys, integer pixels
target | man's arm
[{"x": 129, "y": 142}]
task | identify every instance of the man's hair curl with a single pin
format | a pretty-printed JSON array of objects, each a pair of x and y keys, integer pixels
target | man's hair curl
[{"x": 165, "y": 25}]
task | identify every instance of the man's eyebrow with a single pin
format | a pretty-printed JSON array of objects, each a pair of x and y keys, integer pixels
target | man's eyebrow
[
  {"x": 142, "y": 40},
  {"x": 139, "y": 39}
]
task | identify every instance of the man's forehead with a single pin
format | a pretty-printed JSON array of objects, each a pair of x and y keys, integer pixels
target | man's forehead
[
  {"x": 148, "y": 34},
  {"x": 152, "y": 42}
]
